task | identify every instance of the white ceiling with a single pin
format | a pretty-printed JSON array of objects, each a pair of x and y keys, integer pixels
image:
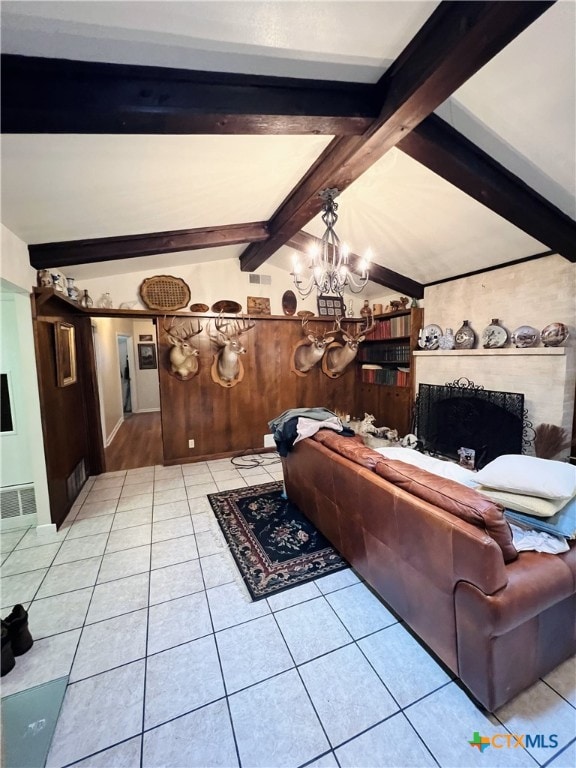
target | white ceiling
[{"x": 520, "y": 107}]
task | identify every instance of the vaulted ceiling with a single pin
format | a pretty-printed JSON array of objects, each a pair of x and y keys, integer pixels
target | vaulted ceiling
[{"x": 142, "y": 135}]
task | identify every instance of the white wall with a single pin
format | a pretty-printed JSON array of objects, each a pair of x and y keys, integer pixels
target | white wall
[
  {"x": 108, "y": 364},
  {"x": 533, "y": 293},
  {"x": 211, "y": 281},
  {"x": 145, "y": 384},
  {"x": 17, "y": 278}
]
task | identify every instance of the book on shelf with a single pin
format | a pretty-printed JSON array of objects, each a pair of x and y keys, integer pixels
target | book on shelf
[
  {"x": 391, "y": 328},
  {"x": 387, "y": 353},
  {"x": 397, "y": 377}
]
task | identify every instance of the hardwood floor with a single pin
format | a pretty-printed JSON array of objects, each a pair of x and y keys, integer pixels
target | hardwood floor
[{"x": 138, "y": 443}]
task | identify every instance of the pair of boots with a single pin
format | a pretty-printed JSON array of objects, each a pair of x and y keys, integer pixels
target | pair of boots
[{"x": 16, "y": 637}]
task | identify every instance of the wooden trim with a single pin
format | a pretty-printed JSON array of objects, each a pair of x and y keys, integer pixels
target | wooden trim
[
  {"x": 449, "y": 154},
  {"x": 41, "y": 95},
  {"x": 73, "y": 252},
  {"x": 455, "y": 42},
  {"x": 302, "y": 241}
]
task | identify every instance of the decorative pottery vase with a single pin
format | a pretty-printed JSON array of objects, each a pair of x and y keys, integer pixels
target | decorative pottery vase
[
  {"x": 85, "y": 300},
  {"x": 494, "y": 336},
  {"x": 554, "y": 334},
  {"x": 366, "y": 314},
  {"x": 104, "y": 302},
  {"x": 447, "y": 340},
  {"x": 44, "y": 278},
  {"x": 57, "y": 282},
  {"x": 525, "y": 336},
  {"x": 71, "y": 289},
  {"x": 465, "y": 337},
  {"x": 414, "y": 304}
]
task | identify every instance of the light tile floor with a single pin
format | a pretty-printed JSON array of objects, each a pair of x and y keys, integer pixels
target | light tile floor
[{"x": 139, "y": 602}]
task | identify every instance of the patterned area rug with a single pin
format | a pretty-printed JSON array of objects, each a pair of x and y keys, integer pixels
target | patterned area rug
[{"x": 275, "y": 546}]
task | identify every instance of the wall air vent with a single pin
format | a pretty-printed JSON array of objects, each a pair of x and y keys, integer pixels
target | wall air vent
[
  {"x": 260, "y": 279},
  {"x": 76, "y": 480},
  {"x": 17, "y": 501}
]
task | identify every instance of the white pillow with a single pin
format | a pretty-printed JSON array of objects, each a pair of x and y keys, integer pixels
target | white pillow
[
  {"x": 447, "y": 469},
  {"x": 529, "y": 475},
  {"x": 530, "y": 505}
]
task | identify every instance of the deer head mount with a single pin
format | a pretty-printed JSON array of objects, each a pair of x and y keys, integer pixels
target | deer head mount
[
  {"x": 227, "y": 369},
  {"x": 339, "y": 356},
  {"x": 309, "y": 351},
  {"x": 184, "y": 355}
]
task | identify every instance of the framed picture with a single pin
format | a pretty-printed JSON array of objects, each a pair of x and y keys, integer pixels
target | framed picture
[
  {"x": 147, "y": 357},
  {"x": 65, "y": 354},
  {"x": 331, "y": 306},
  {"x": 256, "y": 305},
  {"x": 145, "y": 337}
]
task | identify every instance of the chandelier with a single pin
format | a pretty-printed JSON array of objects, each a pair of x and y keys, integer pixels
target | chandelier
[{"x": 329, "y": 268}]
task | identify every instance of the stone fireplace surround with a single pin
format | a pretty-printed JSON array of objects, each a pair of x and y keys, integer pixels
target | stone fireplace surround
[{"x": 545, "y": 376}]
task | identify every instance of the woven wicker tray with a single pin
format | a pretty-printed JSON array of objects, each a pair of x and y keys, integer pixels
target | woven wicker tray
[{"x": 165, "y": 293}]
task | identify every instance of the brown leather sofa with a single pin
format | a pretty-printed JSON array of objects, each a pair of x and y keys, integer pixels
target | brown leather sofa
[{"x": 441, "y": 556}]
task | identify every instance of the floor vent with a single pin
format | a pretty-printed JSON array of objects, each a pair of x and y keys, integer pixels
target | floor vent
[
  {"x": 76, "y": 480},
  {"x": 261, "y": 279},
  {"x": 17, "y": 501}
]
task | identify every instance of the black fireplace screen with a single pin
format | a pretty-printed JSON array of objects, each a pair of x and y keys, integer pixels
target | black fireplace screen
[{"x": 460, "y": 415}]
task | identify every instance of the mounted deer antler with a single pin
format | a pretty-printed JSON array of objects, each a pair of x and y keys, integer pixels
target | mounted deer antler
[
  {"x": 183, "y": 355},
  {"x": 309, "y": 351},
  {"x": 339, "y": 356},
  {"x": 227, "y": 369}
]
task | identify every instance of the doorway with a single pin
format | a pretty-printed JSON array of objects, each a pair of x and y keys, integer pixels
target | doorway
[{"x": 124, "y": 358}]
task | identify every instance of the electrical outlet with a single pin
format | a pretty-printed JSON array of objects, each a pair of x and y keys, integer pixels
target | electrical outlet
[
  {"x": 190, "y": 443},
  {"x": 269, "y": 441}
]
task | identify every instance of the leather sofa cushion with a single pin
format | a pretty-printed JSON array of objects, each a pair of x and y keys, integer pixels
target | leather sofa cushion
[
  {"x": 460, "y": 501},
  {"x": 352, "y": 448}
]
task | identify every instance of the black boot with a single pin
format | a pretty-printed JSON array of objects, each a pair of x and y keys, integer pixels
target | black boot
[
  {"x": 7, "y": 654},
  {"x": 18, "y": 632}
]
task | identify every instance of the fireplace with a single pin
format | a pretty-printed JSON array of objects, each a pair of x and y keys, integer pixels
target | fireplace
[{"x": 461, "y": 415}]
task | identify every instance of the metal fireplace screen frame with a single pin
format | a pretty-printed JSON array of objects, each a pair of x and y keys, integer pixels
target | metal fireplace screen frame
[{"x": 461, "y": 414}]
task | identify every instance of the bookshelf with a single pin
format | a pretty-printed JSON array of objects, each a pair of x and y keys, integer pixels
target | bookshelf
[{"x": 385, "y": 368}]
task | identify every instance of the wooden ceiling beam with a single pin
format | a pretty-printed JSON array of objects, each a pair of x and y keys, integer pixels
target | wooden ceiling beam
[
  {"x": 303, "y": 241},
  {"x": 449, "y": 154},
  {"x": 73, "y": 252},
  {"x": 455, "y": 42},
  {"x": 42, "y": 95}
]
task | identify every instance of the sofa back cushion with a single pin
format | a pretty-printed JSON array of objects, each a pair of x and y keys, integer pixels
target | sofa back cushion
[{"x": 462, "y": 502}]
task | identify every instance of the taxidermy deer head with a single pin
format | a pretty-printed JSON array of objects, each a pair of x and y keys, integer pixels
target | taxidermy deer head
[
  {"x": 339, "y": 356},
  {"x": 310, "y": 350},
  {"x": 183, "y": 355},
  {"x": 227, "y": 368}
]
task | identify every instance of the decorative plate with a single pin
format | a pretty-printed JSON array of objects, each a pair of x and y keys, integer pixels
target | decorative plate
[
  {"x": 525, "y": 336},
  {"x": 199, "y": 307},
  {"x": 305, "y": 313},
  {"x": 225, "y": 305},
  {"x": 289, "y": 302},
  {"x": 494, "y": 336},
  {"x": 554, "y": 334},
  {"x": 429, "y": 336},
  {"x": 165, "y": 293}
]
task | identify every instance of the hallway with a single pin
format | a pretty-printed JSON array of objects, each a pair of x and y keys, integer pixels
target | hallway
[{"x": 138, "y": 443}]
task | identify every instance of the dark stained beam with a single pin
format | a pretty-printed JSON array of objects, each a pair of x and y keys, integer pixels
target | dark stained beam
[
  {"x": 73, "y": 252},
  {"x": 302, "y": 242},
  {"x": 442, "y": 149},
  {"x": 494, "y": 267},
  {"x": 455, "y": 42},
  {"x": 42, "y": 95}
]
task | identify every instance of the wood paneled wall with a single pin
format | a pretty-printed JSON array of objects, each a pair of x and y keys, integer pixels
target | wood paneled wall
[
  {"x": 223, "y": 420},
  {"x": 70, "y": 415}
]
